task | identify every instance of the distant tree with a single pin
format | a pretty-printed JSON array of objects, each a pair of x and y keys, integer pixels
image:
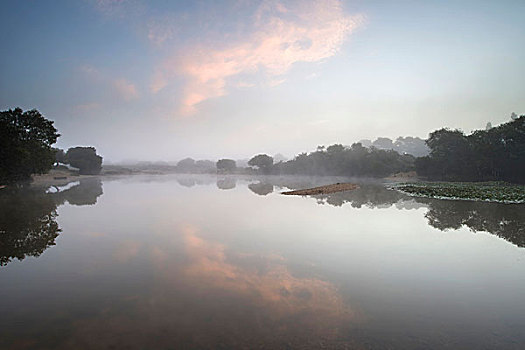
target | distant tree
[
  {"x": 365, "y": 143},
  {"x": 85, "y": 159},
  {"x": 411, "y": 145},
  {"x": 348, "y": 161},
  {"x": 205, "y": 166},
  {"x": 226, "y": 165},
  {"x": 60, "y": 155},
  {"x": 25, "y": 144},
  {"x": 279, "y": 158},
  {"x": 263, "y": 162},
  {"x": 383, "y": 143},
  {"x": 187, "y": 165}
]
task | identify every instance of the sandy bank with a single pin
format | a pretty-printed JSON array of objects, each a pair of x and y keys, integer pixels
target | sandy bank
[{"x": 338, "y": 187}]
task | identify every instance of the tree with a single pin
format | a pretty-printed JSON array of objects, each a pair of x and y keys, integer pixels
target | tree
[
  {"x": 226, "y": 165},
  {"x": 263, "y": 162},
  {"x": 383, "y": 143},
  {"x": 187, "y": 165},
  {"x": 205, "y": 166},
  {"x": 60, "y": 155},
  {"x": 85, "y": 159},
  {"x": 25, "y": 144}
]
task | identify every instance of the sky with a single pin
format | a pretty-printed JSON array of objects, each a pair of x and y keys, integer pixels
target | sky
[{"x": 164, "y": 80}]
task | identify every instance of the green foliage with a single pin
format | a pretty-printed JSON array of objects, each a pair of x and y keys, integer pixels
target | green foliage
[
  {"x": 263, "y": 162},
  {"x": 85, "y": 159},
  {"x": 497, "y": 153},
  {"x": 25, "y": 145},
  {"x": 226, "y": 165}
]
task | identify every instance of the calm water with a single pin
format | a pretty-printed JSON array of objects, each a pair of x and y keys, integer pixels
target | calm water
[{"x": 206, "y": 262}]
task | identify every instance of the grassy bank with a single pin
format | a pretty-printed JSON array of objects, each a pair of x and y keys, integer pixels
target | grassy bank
[{"x": 476, "y": 191}]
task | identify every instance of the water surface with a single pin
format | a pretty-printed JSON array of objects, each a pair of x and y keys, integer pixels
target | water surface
[{"x": 224, "y": 262}]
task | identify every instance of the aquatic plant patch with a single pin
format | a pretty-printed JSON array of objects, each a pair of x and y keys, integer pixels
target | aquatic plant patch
[{"x": 480, "y": 191}]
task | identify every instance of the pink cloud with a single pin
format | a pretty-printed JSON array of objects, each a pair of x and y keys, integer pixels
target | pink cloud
[
  {"x": 303, "y": 31},
  {"x": 125, "y": 89}
]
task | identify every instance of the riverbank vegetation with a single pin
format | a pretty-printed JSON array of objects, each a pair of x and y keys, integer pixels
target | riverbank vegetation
[
  {"x": 494, "y": 154},
  {"x": 484, "y": 191}
]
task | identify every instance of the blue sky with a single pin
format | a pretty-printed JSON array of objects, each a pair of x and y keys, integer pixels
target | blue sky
[{"x": 165, "y": 80}]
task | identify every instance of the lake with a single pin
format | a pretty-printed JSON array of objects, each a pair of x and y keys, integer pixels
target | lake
[{"x": 200, "y": 262}]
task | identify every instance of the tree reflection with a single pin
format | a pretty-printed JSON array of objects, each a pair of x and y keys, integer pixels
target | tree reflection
[
  {"x": 85, "y": 193},
  {"x": 368, "y": 195},
  {"x": 27, "y": 224},
  {"x": 226, "y": 183},
  {"x": 186, "y": 181},
  {"x": 261, "y": 188},
  {"x": 503, "y": 220},
  {"x": 28, "y": 216}
]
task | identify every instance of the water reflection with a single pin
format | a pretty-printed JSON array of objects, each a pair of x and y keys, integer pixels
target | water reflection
[
  {"x": 226, "y": 183},
  {"x": 85, "y": 193},
  {"x": 261, "y": 188},
  {"x": 230, "y": 299},
  {"x": 28, "y": 216},
  {"x": 160, "y": 266},
  {"x": 503, "y": 220},
  {"x": 27, "y": 224}
]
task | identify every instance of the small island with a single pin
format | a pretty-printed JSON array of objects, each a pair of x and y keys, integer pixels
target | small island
[{"x": 338, "y": 187}]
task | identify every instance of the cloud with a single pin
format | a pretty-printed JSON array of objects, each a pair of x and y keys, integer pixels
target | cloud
[
  {"x": 118, "y": 87},
  {"x": 160, "y": 30},
  {"x": 282, "y": 34},
  {"x": 125, "y": 89}
]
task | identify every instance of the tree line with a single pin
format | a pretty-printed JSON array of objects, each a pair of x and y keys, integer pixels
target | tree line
[
  {"x": 496, "y": 153},
  {"x": 492, "y": 154}
]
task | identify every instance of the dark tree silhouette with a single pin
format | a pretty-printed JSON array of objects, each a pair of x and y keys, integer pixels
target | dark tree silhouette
[
  {"x": 494, "y": 154},
  {"x": 226, "y": 166},
  {"x": 25, "y": 145},
  {"x": 85, "y": 159}
]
